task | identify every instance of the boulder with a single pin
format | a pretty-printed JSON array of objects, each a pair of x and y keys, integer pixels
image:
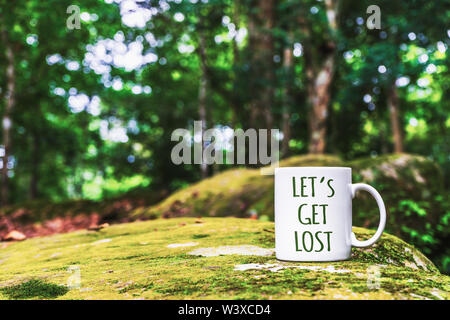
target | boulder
[
  {"x": 234, "y": 192},
  {"x": 417, "y": 203},
  {"x": 220, "y": 258},
  {"x": 411, "y": 186}
]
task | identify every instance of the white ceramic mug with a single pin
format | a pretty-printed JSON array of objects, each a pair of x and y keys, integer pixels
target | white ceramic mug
[{"x": 313, "y": 213}]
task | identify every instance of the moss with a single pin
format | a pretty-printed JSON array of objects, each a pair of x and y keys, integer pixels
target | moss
[
  {"x": 34, "y": 289},
  {"x": 138, "y": 264}
]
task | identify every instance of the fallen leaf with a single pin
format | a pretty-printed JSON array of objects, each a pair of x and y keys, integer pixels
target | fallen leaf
[{"x": 14, "y": 236}]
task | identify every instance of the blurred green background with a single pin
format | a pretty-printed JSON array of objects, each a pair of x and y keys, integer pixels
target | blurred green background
[{"x": 88, "y": 111}]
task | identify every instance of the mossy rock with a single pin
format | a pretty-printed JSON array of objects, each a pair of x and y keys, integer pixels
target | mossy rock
[
  {"x": 417, "y": 203},
  {"x": 160, "y": 259},
  {"x": 410, "y": 186},
  {"x": 235, "y": 192}
]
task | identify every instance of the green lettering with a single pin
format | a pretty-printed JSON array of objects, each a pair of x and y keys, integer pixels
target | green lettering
[
  {"x": 314, "y": 213},
  {"x": 296, "y": 242},
  {"x": 328, "y": 238},
  {"x": 318, "y": 239},
  {"x": 332, "y": 190},
  {"x": 312, "y": 184},
  {"x": 308, "y": 220},
  {"x": 302, "y": 186},
  {"x": 324, "y": 206},
  {"x": 293, "y": 188},
  {"x": 311, "y": 241}
]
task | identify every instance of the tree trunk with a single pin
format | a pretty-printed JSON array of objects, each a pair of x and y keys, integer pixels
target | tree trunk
[
  {"x": 320, "y": 73},
  {"x": 384, "y": 144},
  {"x": 262, "y": 48},
  {"x": 286, "y": 125},
  {"x": 7, "y": 121},
  {"x": 235, "y": 105},
  {"x": 394, "y": 113},
  {"x": 35, "y": 160},
  {"x": 319, "y": 106},
  {"x": 202, "y": 95}
]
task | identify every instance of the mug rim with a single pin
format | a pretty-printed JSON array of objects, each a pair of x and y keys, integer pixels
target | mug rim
[{"x": 299, "y": 167}]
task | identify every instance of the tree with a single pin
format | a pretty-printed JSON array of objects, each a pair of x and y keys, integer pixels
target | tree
[
  {"x": 261, "y": 46},
  {"x": 9, "y": 108},
  {"x": 35, "y": 32},
  {"x": 320, "y": 60},
  {"x": 393, "y": 105},
  {"x": 152, "y": 67},
  {"x": 385, "y": 56},
  {"x": 287, "y": 97}
]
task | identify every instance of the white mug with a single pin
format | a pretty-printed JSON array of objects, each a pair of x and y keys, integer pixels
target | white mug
[{"x": 313, "y": 213}]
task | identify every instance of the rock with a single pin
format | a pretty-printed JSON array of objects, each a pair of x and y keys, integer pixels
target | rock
[
  {"x": 239, "y": 264},
  {"x": 101, "y": 241},
  {"x": 178, "y": 245},
  {"x": 411, "y": 186},
  {"x": 244, "y": 250},
  {"x": 14, "y": 236},
  {"x": 235, "y": 192},
  {"x": 416, "y": 200}
]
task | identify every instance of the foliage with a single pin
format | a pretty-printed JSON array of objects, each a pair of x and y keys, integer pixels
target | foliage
[
  {"x": 89, "y": 117},
  {"x": 95, "y": 107}
]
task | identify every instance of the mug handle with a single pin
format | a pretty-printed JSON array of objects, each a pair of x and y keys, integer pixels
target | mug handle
[{"x": 362, "y": 186}]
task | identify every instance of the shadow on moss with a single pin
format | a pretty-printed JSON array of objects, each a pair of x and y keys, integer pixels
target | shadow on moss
[{"x": 34, "y": 289}]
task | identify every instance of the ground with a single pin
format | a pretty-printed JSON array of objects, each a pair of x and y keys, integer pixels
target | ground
[{"x": 208, "y": 258}]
